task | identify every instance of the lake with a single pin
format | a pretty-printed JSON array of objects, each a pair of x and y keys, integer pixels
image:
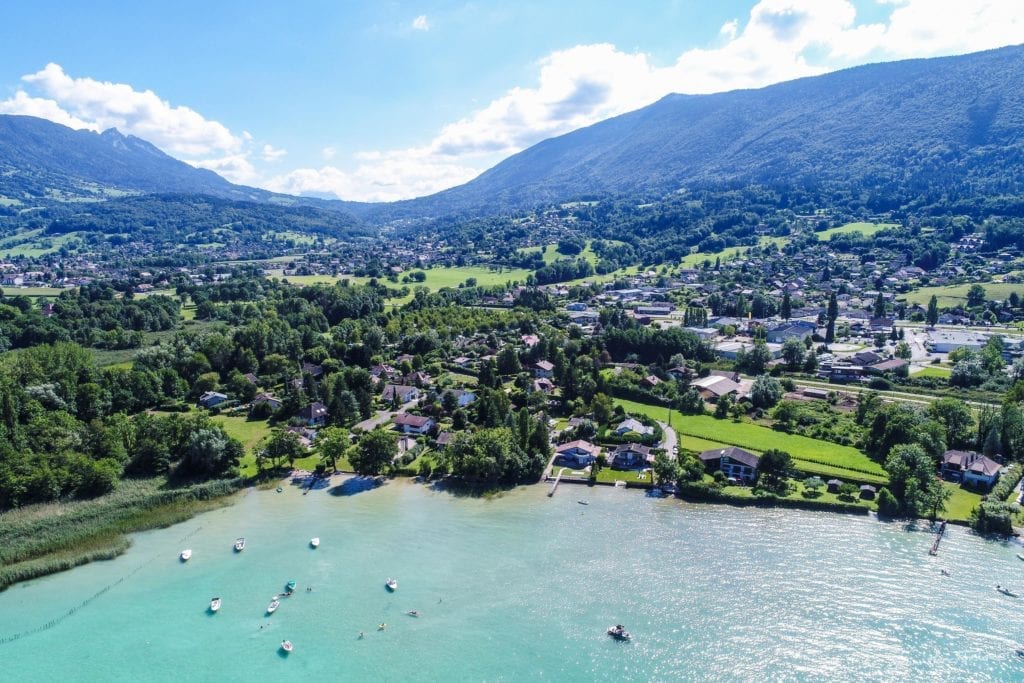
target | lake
[{"x": 522, "y": 587}]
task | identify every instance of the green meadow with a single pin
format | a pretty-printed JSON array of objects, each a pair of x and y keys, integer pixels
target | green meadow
[{"x": 866, "y": 229}]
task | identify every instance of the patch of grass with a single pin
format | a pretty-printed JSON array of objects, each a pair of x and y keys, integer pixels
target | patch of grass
[
  {"x": 695, "y": 259},
  {"x": 963, "y": 502},
  {"x": 955, "y": 295},
  {"x": 809, "y": 452},
  {"x": 866, "y": 229},
  {"x": 33, "y": 291},
  {"x": 249, "y": 432},
  {"x": 631, "y": 477},
  {"x": 933, "y": 371}
]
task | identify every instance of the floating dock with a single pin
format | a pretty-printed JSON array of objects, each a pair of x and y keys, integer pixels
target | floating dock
[{"x": 938, "y": 539}]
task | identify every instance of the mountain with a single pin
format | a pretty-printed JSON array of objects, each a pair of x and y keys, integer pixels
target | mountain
[
  {"x": 925, "y": 125},
  {"x": 42, "y": 159}
]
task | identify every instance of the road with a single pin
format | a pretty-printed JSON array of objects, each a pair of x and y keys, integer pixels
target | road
[
  {"x": 669, "y": 440},
  {"x": 382, "y": 417}
]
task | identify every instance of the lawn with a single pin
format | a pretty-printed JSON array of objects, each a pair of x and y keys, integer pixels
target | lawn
[
  {"x": 866, "y": 229},
  {"x": 249, "y": 432},
  {"x": 939, "y": 371},
  {"x": 955, "y": 295},
  {"x": 695, "y": 259},
  {"x": 33, "y": 291},
  {"x": 959, "y": 507},
  {"x": 811, "y": 455}
]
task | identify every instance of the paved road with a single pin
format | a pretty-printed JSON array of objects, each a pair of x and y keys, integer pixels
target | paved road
[{"x": 382, "y": 417}]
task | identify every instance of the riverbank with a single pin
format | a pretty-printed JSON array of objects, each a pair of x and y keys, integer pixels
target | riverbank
[{"x": 45, "y": 539}]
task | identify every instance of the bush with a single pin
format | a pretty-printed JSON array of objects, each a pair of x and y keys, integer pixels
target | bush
[
  {"x": 1007, "y": 483},
  {"x": 888, "y": 506},
  {"x": 992, "y": 517}
]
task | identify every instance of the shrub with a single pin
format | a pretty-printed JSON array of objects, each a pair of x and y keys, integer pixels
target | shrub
[{"x": 888, "y": 506}]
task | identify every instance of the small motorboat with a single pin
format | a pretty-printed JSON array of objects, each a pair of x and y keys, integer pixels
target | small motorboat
[
  {"x": 274, "y": 604},
  {"x": 239, "y": 544},
  {"x": 1006, "y": 591},
  {"x": 315, "y": 541},
  {"x": 290, "y": 586},
  {"x": 619, "y": 632},
  {"x": 287, "y": 646},
  {"x": 413, "y": 613},
  {"x": 186, "y": 554},
  {"x": 1020, "y": 557},
  {"x": 391, "y": 585},
  {"x": 214, "y": 604},
  {"x": 582, "y": 502},
  {"x": 279, "y": 489}
]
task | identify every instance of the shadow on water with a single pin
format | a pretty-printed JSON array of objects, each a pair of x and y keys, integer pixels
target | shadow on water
[
  {"x": 351, "y": 487},
  {"x": 462, "y": 489}
]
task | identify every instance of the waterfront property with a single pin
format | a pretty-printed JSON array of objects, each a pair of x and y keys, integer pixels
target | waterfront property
[
  {"x": 630, "y": 456},
  {"x": 735, "y": 462},
  {"x": 968, "y": 467},
  {"x": 577, "y": 454}
]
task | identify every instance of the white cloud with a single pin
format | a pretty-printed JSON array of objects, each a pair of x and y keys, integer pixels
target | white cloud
[
  {"x": 729, "y": 28},
  {"x": 272, "y": 154},
  {"x": 235, "y": 167},
  {"x": 420, "y": 23},
  {"x": 328, "y": 153},
  {"x": 97, "y": 105}
]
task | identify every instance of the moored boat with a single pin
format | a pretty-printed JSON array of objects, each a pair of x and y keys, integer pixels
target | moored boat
[
  {"x": 1020, "y": 557},
  {"x": 391, "y": 584},
  {"x": 619, "y": 632},
  {"x": 290, "y": 586},
  {"x": 186, "y": 555},
  {"x": 239, "y": 544},
  {"x": 287, "y": 646},
  {"x": 214, "y": 604},
  {"x": 1006, "y": 591},
  {"x": 315, "y": 541},
  {"x": 274, "y": 604}
]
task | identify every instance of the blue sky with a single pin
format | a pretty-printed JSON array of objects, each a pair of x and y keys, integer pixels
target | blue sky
[{"x": 386, "y": 100}]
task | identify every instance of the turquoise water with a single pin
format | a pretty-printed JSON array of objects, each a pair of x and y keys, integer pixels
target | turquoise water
[{"x": 521, "y": 587}]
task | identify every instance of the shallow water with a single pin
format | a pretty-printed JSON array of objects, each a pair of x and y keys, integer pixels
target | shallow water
[{"x": 522, "y": 587}]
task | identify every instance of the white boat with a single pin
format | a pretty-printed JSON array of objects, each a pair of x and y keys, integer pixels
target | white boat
[
  {"x": 274, "y": 604},
  {"x": 1006, "y": 591},
  {"x": 392, "y": 585},
  {"x": 619, "y": 632},
  {"x": 185, "y": 554},
  {"x": 315, "y": 542},
  {"x": 239, "y": 544},
  {"x": 287, "y": 646},
  {"x": 1020, "y": 557},
  {"x": 214, "y": 604}
]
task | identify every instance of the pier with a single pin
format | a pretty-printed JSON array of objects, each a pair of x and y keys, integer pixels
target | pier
[
  {"x": 554, "y": 487},
  {"x": 938, "y": 539}
]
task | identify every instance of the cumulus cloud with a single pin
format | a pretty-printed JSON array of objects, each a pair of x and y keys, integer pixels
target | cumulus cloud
[
  {"x": 97, "y": 105},
  {"x": 328, "y": 153},
  {"x": 272, "y": 154},
  {"x": 420, "y": 23}
]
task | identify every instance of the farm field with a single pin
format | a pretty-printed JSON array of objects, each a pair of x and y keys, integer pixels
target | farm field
[
  {"x": 953, "y": 295},
  {"x": 437, "y": 278},
  {"x": 811, "y": 455},
  {"x": 866, "y": 229}
]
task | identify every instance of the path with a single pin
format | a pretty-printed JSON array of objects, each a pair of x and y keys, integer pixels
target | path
[
  {"x": 382, "y": 417},
  {"x": 669, "y": 440}
]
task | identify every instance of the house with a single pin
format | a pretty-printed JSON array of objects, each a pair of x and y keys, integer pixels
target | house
[
  {"x": 631, "y": 425},
  {"x": 312, "y": 369},
  {"x": 417, "y": 379},
  {"x": 529, "y": 340},
  {"x": 269, "y": 399},
  {"x": 713, "y": 387},
  {"x": 253, "y": 379},
  {"x": 867, "y": 358},
  {"x": 210, "y": 399},
  {"x": 576, "y": 306},
  {"x": 867, "y": 492},
  {"x": 543, "y": 368},
  {"x": 577, "y": 453},
  {"x": 543, "y": 385},
  {"x": 314, "y": 415},
  {"x": 383, "y": 370},
  {"x": 734, "y": 462},
  {"x": 403, "y": 392},
  {"x": 897, "y": 365},
  {"x": 679, "y": 373},
  {"x": 834, "y": 485},
  {"x": 629, "y": 456},
  {"x": 583, "y": 317},
  {"x": 412, "y": 424},
  {"x": 445, "y": 438},
  {"x": 970, "y": 468},
  {"x": 794, "y": 329},
  {"x": 462, "y": 397},
  {"x": 650, "y": 381}
]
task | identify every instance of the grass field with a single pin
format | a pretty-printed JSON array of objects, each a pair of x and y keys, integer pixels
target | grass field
[
  {"x": 37, "y": 246},
  {"x": 953, "y": 295},
  {"x": 249, "y": 432},
  {"x": 963, "y": 502},
  {"x": 810, "y": 455},
  {"x": 939, "y": 371},
  {"x": 866, "y": 229},
  {"x": 33, "y": 291},
  {"x": 695, "y": 259}
]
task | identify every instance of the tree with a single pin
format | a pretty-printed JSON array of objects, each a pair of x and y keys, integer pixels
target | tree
[
  {"x": 508, "y": 361},
  {"x": 773, "y": 468},
  {"x": 603, "y": 408},
  {"x": 786, "y": 311},
  {"x": 765, "y": 392},
  {"x": 756, "y": 360},
  {"x": 281, "y": 446},
  {"x": 888, "y": 506},
  {"x": 911, "y": 476},
  {"x": 975, "y": 296},
  {"x": 878, "y": 310},
  {"x": 375, "y": 451},
  {"x": 932, "y": 316},
  {"x": 665, "y": 469},
  {"x": 793, "y": 352},
  {"x": 957, "y": 419},
  {"x": 904, "y": 351},
  {"x": 333, "y": 442}
]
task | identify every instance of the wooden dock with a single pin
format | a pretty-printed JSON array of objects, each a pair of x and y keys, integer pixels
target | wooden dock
[
  {"x": 554, "y": 487},
  {"x": 938, "y": 539}
]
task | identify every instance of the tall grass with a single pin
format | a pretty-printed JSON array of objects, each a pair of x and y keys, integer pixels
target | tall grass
[{"x": 44, "y": 539}]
